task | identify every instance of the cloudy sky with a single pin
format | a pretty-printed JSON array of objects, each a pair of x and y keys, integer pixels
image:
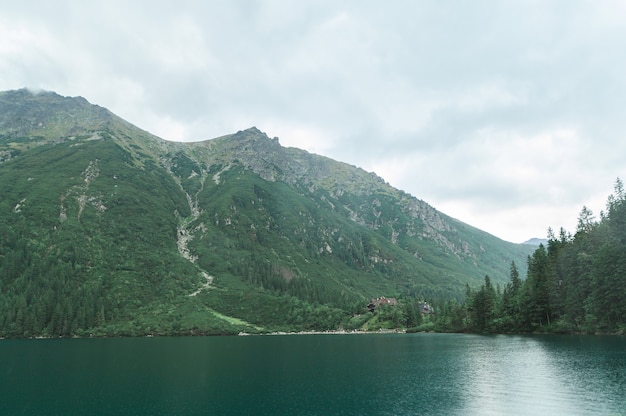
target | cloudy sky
[{"x": 508, "y": 115}]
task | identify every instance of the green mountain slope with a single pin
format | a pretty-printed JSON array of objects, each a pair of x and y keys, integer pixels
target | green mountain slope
[{"x": 107, "y": 229}]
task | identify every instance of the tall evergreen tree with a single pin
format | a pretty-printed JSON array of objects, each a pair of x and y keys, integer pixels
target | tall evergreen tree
[
  {"x": 510, "y": 311},
  {"x": 537, "y": 297},
  {"x": 482, "y": 307}
]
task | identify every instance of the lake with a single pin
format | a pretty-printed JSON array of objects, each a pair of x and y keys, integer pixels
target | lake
[{"x": 375, "y": 374}]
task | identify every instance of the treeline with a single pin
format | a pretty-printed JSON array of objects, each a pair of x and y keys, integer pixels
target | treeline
[{"x": 574, "y": 284}]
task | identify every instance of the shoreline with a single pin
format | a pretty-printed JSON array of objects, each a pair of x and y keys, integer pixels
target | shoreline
[
  {"x": 329, "y": 332},
  {"x": 326, "y": 332}
]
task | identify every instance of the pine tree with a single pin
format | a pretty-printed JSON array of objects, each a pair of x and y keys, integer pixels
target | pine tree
[
  {"x": 510, "y": 311},
  {"x": 537, "y": 295},
  {"x": 482, "y": 307}
]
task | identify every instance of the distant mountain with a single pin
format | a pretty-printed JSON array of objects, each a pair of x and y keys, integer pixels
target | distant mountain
[
  {"x": 107, "y": 229},
  {"x": 536, "y": 241}
]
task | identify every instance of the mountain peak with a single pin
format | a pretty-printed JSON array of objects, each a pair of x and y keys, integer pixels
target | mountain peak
[
  {"x": 38, "y": 94},
  {"x": 254, "y": 130},
  {"x": 536, "y": 241},
  {"x": 253, "y": 134},
  {"x": 27, "y": 112}
]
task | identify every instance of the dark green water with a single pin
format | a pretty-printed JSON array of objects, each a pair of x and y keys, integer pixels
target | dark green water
[{"x": 419, "y": 374}]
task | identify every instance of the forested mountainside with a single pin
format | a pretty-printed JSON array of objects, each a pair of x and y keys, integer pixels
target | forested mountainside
[
  {"x": 106, "y": 229},
  {"x": 575, "y": 283}
]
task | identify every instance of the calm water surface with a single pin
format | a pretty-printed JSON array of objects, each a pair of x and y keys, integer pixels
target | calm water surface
[{"x": 418, "y": 374}]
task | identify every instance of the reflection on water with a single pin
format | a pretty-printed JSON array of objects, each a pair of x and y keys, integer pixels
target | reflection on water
[
  {"x": 513, "y": 375},
  {"x": 595, "y": 369},
  {"x": 417, "y": 374},
  {"x": 519, "y": 375}
]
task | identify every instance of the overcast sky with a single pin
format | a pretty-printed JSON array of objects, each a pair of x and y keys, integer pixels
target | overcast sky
[{"x": 507, "y": 115}]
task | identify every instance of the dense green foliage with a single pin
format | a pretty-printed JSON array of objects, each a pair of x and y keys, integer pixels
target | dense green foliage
[{"x": 575, "y": 284}]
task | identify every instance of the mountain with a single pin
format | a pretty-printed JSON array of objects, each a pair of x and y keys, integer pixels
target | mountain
[
  {"x": 107, "y": 229},
  {"x": 536, "y": 241}
]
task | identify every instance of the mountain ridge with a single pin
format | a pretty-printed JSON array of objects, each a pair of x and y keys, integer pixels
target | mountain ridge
[{"x": 238, "y": 221}]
